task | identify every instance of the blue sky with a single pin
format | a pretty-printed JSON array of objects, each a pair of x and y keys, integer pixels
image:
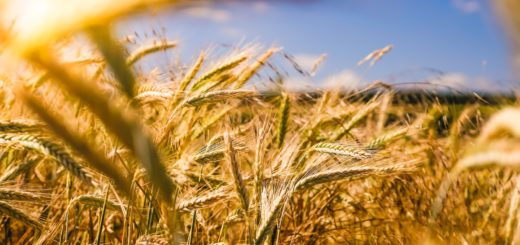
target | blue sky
[{"x": 460, "y": 38}]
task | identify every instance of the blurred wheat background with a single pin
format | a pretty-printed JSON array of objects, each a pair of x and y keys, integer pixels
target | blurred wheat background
[{"x": 96, "y": 151}]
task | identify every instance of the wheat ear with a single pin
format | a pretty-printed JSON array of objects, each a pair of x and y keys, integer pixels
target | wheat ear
[
  {"x": 352, "y": 151},
  {"x": 214, "y": 150},
  {"x": 220, "y": 95},
  {"x": 19, "y": 126},
  {"x": 345, "y": 173},
  {"x": 159, "y": 239},
  {"x": 149, "y": 49},
  {"x": 95, "y": 201},
  {"x": 252, "y": 69},
  {"x": 14, "y": 171},
  {"x": 17, "y": 214},
  {"x": 217, "y": 71},
  {"x": 52, "y": 149},
  {"x": 274, "y": 198},
  {"x": 188, "y": 78},
  {"x": 283, "y": 117},
  {"x": 383, "y": 140},
  {"x": 15, "y": 195},
  {"x": 240, "y": 187},
  {"x": 203, "y": 200}
]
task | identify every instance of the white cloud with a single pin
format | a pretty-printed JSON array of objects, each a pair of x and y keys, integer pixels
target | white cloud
[
  {"x": 349, "y": 79},
  {"x": 481, "y": 83},
  {"x": 451, "y": 80},
  {"x": 467, "y": 6},
  {"x": 346, "y": 79},
  {"x": 466, "y": 83},
  {"x": 206, "y": 12}
]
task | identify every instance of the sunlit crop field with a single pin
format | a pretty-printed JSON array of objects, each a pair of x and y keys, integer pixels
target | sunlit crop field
[{"x": 94, "y": 150}]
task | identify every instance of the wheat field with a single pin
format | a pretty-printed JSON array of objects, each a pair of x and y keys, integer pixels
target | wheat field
[{"x": 95, "y": 151}]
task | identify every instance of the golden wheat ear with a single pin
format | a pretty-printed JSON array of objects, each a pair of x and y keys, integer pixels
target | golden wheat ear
[
  {"x": 204, "y": 199},
  {"x": 18, "y": 169},
  {"x": 275, "y": 194},
  {"x": 253, "y": 69},
  {"x": 95, "y": 201},
  {"x": 10, "y": 194},
  {"x": 19, "y": 126},
  {"x": 352, "y": 151},
  {"x": 283, "y": 117},
  {"x": 313, "y": 176},
  {"x": 215, "y": 150},
  {"x": 234, "y": 167},
  {"x": 220, "y": 95},
  {"x": 187, "y": 79},
  {"x": 386, "y": 138},
  {"x": 208, "y": 76},
  {"x": 143, "y": 51},
  {"x": 53, "y": 149},
  {"x": 156, "y": 239},
  {"x": 20, "y": 215},
  {"x": 96, "y": 159}
]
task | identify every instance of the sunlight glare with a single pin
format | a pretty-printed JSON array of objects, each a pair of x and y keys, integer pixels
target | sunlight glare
[{"x": 39, "y": 22}]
